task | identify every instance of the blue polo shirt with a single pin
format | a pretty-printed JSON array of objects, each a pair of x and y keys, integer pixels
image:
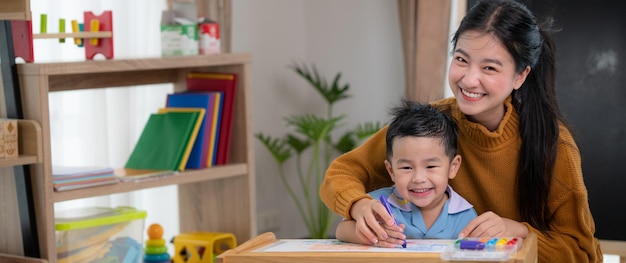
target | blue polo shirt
[{"x": 455, "y": 215}]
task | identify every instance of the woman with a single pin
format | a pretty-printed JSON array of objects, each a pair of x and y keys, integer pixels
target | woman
[{"x": 522, "y": 168}]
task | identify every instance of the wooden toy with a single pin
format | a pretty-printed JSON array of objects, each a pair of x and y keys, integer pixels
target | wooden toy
[
  {"x": 98, "y": 30},
  {"x": 43, "y": 23},
  {"x": 77, "y": 28},
  {"x": 201, "y": 247},
  {"x": 61, "y": 29}
]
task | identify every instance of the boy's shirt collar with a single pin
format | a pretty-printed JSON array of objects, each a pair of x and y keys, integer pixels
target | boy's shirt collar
[{"x": 456, "y": 203}]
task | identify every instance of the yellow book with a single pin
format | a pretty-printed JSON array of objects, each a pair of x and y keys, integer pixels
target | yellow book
[{"x": 194, "y": 133}]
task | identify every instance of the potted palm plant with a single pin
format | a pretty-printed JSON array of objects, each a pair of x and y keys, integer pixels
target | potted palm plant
[{"x": 313, "y": 136}]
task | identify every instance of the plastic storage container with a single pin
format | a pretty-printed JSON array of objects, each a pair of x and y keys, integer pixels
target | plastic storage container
[{"x": 100, "y": 234}]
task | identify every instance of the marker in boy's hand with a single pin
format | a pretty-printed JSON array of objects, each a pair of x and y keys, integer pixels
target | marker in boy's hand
[{"x": 383, "y": 200}]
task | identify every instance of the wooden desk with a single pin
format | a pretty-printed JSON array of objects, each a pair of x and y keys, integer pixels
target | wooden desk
[
  {"x": 245, "y": 253},
  {"x": 614, "y": 247}
]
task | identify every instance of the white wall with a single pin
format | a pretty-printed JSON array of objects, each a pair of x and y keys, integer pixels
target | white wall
[{"x": 359, "y": 38}]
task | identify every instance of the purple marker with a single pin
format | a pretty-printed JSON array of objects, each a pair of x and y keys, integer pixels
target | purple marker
[
  {"x": 383, "y": 200},
  {"x": 472, "y": 244}
]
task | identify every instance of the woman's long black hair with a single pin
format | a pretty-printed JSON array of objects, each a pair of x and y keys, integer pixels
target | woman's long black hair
[{"x": 530, "y": 45}]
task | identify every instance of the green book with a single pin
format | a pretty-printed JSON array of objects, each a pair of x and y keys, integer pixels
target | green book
[
  {"x": 163, "y": 141},
  {"x": 194, "y": 134}
]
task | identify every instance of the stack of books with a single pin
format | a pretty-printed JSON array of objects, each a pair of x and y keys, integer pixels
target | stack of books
[
  {"x": 192, "y": 131},
  {"x": 220, "y": 90},
  {"x": 70, "y": 177}
]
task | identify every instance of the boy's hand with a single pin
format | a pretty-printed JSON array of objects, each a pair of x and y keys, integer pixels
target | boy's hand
[{"x": 373, "y": 223}]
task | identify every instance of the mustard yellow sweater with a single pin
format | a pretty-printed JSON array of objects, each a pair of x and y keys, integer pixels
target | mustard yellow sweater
[{"x": 487, "y": 180}]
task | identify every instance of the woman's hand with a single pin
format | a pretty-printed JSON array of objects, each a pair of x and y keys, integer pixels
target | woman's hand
[
  {"x": 489, "y": 224},
  {"x": 395, "y": 236},
  {"x": 373, "y": 223}
]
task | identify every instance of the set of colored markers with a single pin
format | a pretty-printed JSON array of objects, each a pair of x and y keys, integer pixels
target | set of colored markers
[{"x": 483, "y": 249}]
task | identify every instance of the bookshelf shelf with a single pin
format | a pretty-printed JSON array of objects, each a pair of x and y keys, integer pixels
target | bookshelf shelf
[
  {"x": 205, "y": 196},
  {"x": 21, "y": 160},
  {"x": 189, "y": 176}
]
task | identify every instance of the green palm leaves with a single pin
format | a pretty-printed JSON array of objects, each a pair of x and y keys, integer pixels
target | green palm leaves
[{"x": 312, "y": 137}]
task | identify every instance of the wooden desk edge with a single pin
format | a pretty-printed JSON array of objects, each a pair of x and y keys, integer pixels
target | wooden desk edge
[
  {"x": 527, "y": 254},
  {"x": 614, "y": 247},
  {"x": 252, "y": 244}
]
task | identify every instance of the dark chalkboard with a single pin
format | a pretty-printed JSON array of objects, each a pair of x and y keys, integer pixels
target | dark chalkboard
[{"x": 591, "y": 82}]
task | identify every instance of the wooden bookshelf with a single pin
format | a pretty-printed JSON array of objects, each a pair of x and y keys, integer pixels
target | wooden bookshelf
[
  {"x": 221, "y": 198},
  {"x": 29, "y": 152},
  {"x": 15, "y": 10}
]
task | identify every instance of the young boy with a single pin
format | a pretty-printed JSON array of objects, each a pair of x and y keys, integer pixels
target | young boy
[{"x": 421, "y": 158}]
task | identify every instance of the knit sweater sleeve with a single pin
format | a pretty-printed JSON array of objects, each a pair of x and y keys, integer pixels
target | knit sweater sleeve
[
  {"x": 351, "y": 175},
  {"x": 571, "y": 238}
]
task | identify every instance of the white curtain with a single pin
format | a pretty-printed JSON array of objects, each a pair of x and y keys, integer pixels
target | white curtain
[{"x": 100, "y": 127}]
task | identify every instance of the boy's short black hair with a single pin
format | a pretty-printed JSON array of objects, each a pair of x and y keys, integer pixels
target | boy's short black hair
[{"x": 422, "y": 120}]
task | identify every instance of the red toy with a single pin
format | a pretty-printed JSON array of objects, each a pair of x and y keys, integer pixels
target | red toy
[{"x": 97, "y": 29}]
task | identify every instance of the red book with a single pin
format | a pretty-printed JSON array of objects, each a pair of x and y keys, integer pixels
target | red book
[{"x": 220, "y": 82}]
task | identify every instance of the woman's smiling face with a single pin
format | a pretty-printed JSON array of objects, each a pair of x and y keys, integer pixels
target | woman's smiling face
[{"x": 482, "y": 75}]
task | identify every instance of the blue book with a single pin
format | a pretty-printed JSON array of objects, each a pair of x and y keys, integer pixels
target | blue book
[{"x": 198, "y": 157}]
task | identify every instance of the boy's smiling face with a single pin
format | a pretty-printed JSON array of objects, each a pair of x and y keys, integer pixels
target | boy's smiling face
[{"x": 421, "y": 169}]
